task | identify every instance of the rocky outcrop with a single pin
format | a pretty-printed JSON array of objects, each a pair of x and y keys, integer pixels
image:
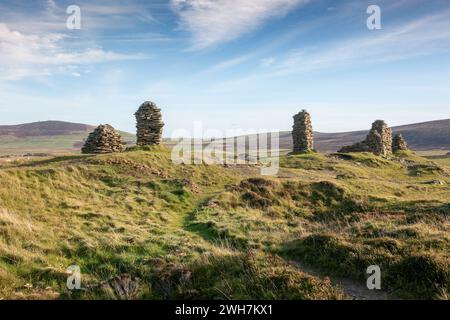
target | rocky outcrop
[
  {"x": 104, "y": 139},
  {"x": 399, "y": 143},
  {"x": 149, "y": 124},
  {"x": 378, "y": 141},
  {"x": 302, "y": 132}
]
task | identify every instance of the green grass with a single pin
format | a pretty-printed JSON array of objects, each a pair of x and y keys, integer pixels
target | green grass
[
  {"x": 373, "y": 211},
  {"x": 210, "y": 232},
  {"x": 58, "y": 144}
]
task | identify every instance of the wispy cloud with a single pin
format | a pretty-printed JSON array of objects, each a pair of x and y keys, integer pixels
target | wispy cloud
[
  {"x": 226, "y": 64},
  {"x": 267, "y": 62},
  {"x": 417, "y": 38},
  {"x": 96, "y": 15},
  {"x": 27, "y": 55},
  {"x": 105, "y": 15},
  {"x": 425, "y": 36},
  {"x": 212, "y": 22}
]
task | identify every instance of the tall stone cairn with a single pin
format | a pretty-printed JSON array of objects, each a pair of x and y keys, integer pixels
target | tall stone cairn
[
  {"x": 378, "y": 141},
  {"x": 399, "y": 143},
  {"x": 104, "y": 139},
  {"x": 149, "y": 124},
  {"x": 302, "y": 132}
]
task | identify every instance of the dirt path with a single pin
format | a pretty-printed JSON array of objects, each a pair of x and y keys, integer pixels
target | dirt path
[{"x": 355, "y": 289}]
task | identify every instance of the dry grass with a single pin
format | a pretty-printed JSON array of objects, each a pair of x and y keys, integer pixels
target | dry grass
[{"x": 194, "y": 226}]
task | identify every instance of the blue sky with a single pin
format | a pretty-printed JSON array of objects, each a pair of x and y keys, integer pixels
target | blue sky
[{"x": 248, "y": 64}]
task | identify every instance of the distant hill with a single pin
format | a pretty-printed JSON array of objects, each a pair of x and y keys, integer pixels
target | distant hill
[
  {"x": 431, "y": 135},
  {"x": 44, "y": 128},
  {"x": 62, "y": 137},
  {"x": 46, "y": 137}
]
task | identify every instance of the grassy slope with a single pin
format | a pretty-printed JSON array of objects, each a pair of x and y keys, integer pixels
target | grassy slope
[
  {"x": 15, "y": 145},
  {"x": 57, "y": 144},
  {"x": 214, "y": 232},
  {"x": 343, "y": 213},
  {"x": 128, "y": 213}
]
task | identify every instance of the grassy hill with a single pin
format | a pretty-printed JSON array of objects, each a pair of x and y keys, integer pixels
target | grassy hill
[
  {"x": 58, "y": 137},
  {"x": 44, "y": 128},
  {"x": 431, "y": 135},
  {"x": 53, "y": 137},
  {"x": 136, "y": 220}
]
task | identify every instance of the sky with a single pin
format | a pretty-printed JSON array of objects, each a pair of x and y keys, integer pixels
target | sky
[{"x": 227, "y": 64}]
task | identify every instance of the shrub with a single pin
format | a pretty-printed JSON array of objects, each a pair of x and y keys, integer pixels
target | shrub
[{"x": 419, "y": 276}]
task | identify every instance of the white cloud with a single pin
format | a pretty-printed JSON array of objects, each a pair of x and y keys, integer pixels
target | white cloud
[
  {"x": 213, "y": 22},
  {"x": 226, "y": 64},
  {"x": 267, "y": 62},
  {"x": 422, "y": 37},
  {"x": 104, "y": 15},
  {"x": 96, "y": 15},
  {"x": 27, "y": 55},
  {"x": 425, "y": 36}
]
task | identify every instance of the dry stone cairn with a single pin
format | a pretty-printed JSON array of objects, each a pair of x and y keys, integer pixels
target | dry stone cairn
[
  {"x": 149, "y": 124},
  {"x": 379, "y": 138},
  {"x": 302, "y": 132},
  {"x": 378, "y": 141},
  {"x": 104, "y": 139},
  {"x": 399, "y": 143}
]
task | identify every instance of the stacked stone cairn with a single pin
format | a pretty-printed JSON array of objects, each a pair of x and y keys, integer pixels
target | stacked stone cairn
[
  {"x": 399, "y": 143},
  {"x": 149, "y": 124},
  {"x": 104, "y": 139},
  {"x": 302, "y": 133},
  {"x": 378, "y": 141}
]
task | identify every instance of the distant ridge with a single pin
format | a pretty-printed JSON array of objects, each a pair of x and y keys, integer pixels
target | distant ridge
[
  {"x": 430, "y": 135},
  {"x": 61, "y": 136},
  {"x": 44, "y": 128},
  {"x": 52, "y": 137}
]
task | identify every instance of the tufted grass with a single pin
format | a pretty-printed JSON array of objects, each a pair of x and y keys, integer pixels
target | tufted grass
[{"x": 201, "y": 232}]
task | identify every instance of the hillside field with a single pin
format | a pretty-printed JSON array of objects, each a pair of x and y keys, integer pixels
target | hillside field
[
  {"x": 59, "y": 137},
  {"x": 168, "y": 231},
  {"x": 46, "y": 138}
]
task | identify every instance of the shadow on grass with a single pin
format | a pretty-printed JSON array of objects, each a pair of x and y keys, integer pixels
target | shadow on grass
[
  {"x": 211, "y": 232},
  {"x": 55, "y": 160}
]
